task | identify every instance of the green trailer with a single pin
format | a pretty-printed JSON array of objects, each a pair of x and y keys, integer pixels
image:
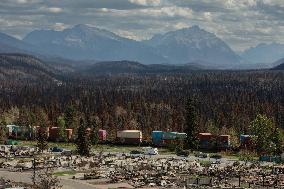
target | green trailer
[{"x": 12, "y": 142}]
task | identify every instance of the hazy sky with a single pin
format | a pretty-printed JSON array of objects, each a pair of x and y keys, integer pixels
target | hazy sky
[{"x": 241, "y": 23}]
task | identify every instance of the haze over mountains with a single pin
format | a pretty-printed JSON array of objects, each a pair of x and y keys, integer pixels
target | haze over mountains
[
  {"x": 188, "y": 45},
  {"x": 130, "y": 67},
  {"x": 264, "y": 53},
  {"x": 27, "y": 67},
  {"x": 194, "y": 45},
  {"x": 89, "y": 43}
]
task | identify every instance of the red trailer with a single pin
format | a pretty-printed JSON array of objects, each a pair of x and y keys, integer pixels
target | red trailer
[
  {"x": 54, "y": 134},
  {"x": 102, "y": 135},
  {"x": 38, "y": 129},
  {"x": 206, "y": 140},
  {"x": 69, "y": 133}
]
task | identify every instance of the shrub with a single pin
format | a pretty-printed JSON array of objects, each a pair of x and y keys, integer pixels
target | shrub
[{"x": 245, "y": 155}]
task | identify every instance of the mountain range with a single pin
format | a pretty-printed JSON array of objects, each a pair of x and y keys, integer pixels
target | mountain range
[
  {"x": 264, "y": 53},
  {"x": 279, "y": 65},
  {"x": 194, "y": 45},
  {"x": 83, "y": 44},
  {"x": 26, "y": 67}
]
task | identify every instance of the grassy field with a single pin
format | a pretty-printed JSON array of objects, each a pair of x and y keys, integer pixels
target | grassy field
[
  {"x": 97, "y": 148},
  {"x": 126, "y": 149},
  {"x": 65, "y": 173}
]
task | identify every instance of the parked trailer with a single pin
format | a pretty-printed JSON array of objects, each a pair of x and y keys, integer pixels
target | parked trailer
[
  {"x": 38, "y": 129},
  {"x": 169, "y": 135},
  {"x": 24, "y": 132},
  {"x": 181, "y": 136},
  {"x": 223, "y": 141},
  {"x": 161, "y": 138},
  {"x": 157, "y": 138},
  {"x": 12, "y": 131},
  {"x": 210, "y": 141},
  {"x": 19, "y": 132},
  {"x": 129, "y": 137},
  {"x": 54, "y": 134},
  {"x": 205, "y": 140},
  {"x": 69, "y": 133},
  {"x": 102, "y": 135}
]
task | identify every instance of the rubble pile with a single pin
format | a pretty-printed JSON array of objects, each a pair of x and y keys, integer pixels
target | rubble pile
[
  {"x": 146, "y": 171},
  {"x": 7, "y": 151}
]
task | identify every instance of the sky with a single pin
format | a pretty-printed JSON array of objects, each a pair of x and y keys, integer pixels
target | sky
[{"x": 240, "y": 23}]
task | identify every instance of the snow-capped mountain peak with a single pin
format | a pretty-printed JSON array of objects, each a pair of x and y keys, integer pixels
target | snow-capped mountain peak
[{"x": 191, "y": 44}]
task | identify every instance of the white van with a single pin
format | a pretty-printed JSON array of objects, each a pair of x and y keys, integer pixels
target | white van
[{"x": 150, "y": 151}]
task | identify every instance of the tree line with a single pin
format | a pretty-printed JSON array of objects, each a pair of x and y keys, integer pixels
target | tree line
[{"x": 225, "y": 102}]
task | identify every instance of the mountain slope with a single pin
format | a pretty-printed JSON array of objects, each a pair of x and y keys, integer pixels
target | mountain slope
[
  {"x": 129, "y": 67},
  {"x": 280, "y": 66},
  {"x": 83, "y": 42},
  {"x": 9, "y": 44},
  {"x": 278, "y": 62},
  {"x": 194, "y": 44},
  {"x": 264, "y": 53},
  {"x": 20, "y": 66}
]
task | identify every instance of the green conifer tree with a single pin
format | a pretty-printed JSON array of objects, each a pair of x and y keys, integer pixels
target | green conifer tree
[
  {"x": 83, "y": 141},
  {"x": 191, "y": 125}
]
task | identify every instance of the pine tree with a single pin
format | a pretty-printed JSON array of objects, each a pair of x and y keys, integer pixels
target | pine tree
[
  {"x": 3, "y": 132},
  {"x": 61, "y": 126},
  {"x": 83, "y": 141},
  {"x": 42, "y": 135},
  {"x": 42, "y": 138},
  {"x": 94, "y": 130},
  {"x": 191, "y": 125},
  {"x": 277, "y": 139},
  {"x": 70, "y": 117}
]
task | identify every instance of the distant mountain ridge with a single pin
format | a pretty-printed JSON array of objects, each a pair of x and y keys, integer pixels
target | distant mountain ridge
[
  {"x": 194, "y": 44},
  {"x": 21, "y": 66},
  {"x": 278, "y": 62},
  {"x": 176, "y": 47},
  {"x": 83, "y": 42},
  {"x": 280, "y": 66},
  {"x": 10, "y": 44},
  {"x": 264, "y": 53},
  {"x": 129, "y": 67}
]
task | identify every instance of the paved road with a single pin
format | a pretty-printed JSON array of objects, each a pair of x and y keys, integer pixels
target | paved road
[{"x": 26, "y": 178}]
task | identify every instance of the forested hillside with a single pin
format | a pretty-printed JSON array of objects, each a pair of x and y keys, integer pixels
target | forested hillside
[
  {"x": 25, "y": 67},
  {"x": 130, "y": 67},
  {"x": 226, "y": 102},
  {"x": 280, "y": 67}
]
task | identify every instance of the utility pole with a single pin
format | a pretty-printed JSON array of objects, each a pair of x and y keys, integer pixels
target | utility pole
[
  {"x": 34, "y": 168},
  {"x": 263, "y": 180},
  {"x": 239, "y": 180}
]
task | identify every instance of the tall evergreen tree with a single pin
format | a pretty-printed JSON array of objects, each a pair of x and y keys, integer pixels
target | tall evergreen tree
[
  {"x": 191, "y": 125},
  {"x": 3, "y": 132},
  {"x": 70, "y": 117},
  {"x": 278, "y": 139},
  {"x": 94, "y": 130},
  {"x": 61, "y": 126},
  {"x": 83, "y": 141},
  {"x": 42, "y": 135}
]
